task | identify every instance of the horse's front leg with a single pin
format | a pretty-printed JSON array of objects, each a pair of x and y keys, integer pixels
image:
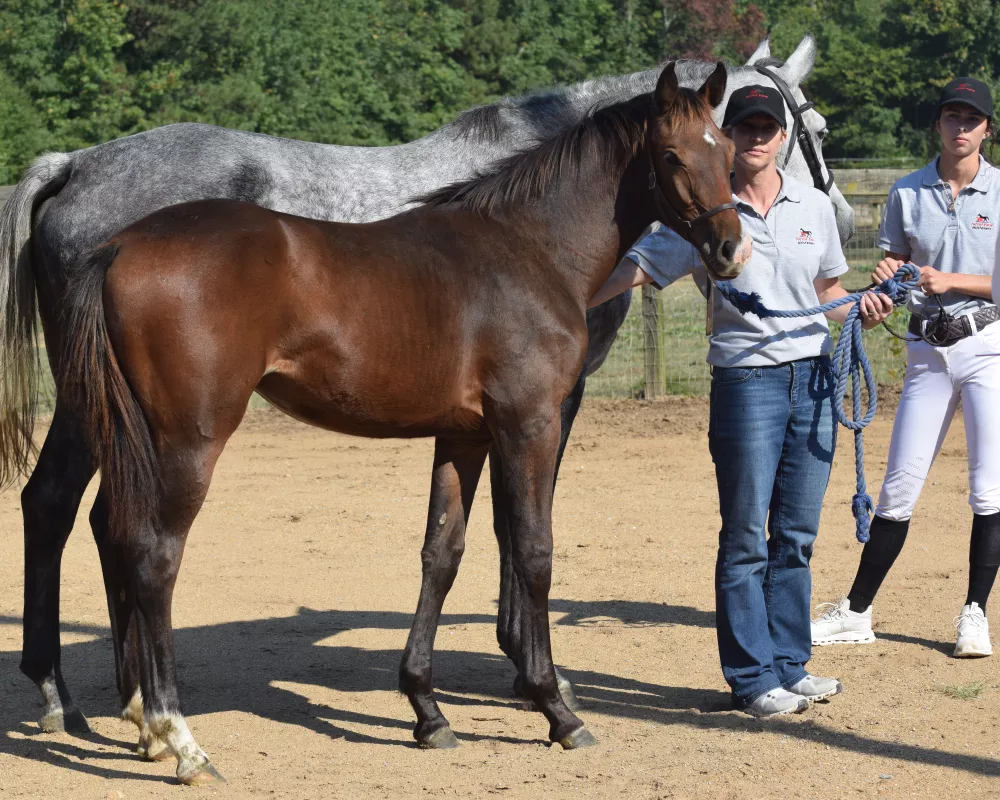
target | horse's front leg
[
  {"x": 457, "y": 467},
  {"x": 528, "y": 447},
  {"x": 603, "y": 323},
  {"x": 509, "y": 607}
]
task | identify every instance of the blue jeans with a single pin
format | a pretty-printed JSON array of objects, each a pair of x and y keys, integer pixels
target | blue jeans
[{"x": 772, "y": 434}]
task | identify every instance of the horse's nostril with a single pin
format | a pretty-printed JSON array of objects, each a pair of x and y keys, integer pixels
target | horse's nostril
[{"x": 728, "y": 250}]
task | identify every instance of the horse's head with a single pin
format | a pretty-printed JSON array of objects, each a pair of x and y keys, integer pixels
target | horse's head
[
  {"x": 690, "y": 159},
  {"x": 793, "y": 159}
]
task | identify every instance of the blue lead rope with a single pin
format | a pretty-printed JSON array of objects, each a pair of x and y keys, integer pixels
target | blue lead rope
[{"x": 849, "y": 362}]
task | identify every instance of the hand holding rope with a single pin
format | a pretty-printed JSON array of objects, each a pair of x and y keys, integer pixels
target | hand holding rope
[{"x": 849, "y": 363}]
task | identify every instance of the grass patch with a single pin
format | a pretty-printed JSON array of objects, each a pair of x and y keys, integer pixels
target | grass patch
[{"x": 963, "y": 691}]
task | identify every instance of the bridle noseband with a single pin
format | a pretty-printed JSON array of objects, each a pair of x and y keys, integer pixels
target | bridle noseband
[
  {"x": 672, "y": 217},
  {"x": 800, "y": 133}
]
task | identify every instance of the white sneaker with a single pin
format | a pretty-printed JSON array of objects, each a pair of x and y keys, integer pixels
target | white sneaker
[
  {"x": 777, "y": 702},
  {"x": 839, "y": 625},
  {"x": 814, "y": 688},
  {"x": 973, "y": 633}
]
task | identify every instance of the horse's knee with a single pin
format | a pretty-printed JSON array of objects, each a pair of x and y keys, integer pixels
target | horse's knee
[
  {"x": 444, "y": 546},
  {"x": 414, "y": 673},
  {"x": 535, "y": 568}
]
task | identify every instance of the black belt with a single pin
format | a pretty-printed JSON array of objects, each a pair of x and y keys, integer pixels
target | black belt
[{"x": 945, "y": 334}]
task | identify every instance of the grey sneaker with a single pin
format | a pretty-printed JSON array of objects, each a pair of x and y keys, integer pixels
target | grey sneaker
[
  {"x": 814, "y": 688},
  {"x": 777, "y": 702},
  {"x": 837, "y": 624}
]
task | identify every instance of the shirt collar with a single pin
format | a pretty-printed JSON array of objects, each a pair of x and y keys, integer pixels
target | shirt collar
[
  {"x": 789, "y": 191},
  {"x": 981, "y": 183}
]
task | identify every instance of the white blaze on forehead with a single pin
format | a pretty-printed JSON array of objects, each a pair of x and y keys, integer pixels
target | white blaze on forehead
[{"x": 710, "y": 138}]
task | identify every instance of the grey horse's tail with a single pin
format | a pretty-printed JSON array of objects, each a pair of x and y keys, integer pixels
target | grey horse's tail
[{"x": 19, "y": 362}]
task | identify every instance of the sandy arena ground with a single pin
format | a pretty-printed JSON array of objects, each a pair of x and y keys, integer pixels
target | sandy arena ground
[{"x": 303, "y": 569}]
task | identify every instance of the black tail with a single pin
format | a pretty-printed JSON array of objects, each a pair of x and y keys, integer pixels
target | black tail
[{"x": 94, "y": 383}]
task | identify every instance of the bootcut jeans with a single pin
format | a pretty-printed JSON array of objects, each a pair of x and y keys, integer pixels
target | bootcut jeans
[{"x": 772, "y": 434}]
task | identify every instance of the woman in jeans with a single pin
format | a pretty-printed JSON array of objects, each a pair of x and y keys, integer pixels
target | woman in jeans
[
  {"x": 945, "y": 218},
  {"x": 772, "y": 431}
]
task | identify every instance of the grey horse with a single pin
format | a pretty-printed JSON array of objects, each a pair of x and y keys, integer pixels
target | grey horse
[{"x": 68, "y": 203}]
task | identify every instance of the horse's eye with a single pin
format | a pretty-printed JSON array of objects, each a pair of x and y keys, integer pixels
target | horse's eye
[
  {"x": 670, "y": 157},
  {"x": 822, "y": 134}
]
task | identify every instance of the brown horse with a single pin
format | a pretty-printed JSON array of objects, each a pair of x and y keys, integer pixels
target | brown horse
[{"x": 463, "y": 319}]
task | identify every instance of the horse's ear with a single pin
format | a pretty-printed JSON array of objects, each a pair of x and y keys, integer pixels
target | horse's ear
[
  {"x": 666, "y": 88},
  {"x": 800, "y": 63},
  {"x": 763, "y": 51},
  {"x": 714, "y": 89}
]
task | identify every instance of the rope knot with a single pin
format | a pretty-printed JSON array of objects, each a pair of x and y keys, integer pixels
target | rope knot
[
  {"x": 862, "y": 507},
  {"x": 744, "y": 302}
]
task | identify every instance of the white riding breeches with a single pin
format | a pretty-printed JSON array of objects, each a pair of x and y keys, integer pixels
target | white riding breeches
[{"x": 936, "y": 378}]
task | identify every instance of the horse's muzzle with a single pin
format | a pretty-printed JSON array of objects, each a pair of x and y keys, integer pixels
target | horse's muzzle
[{"x": 728, "y": 259}]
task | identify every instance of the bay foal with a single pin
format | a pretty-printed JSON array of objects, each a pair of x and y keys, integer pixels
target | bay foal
[{"x": 463, "y": 319}]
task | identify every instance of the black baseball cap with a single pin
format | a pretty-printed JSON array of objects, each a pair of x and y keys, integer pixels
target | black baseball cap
[
  {"x": 970, "y": 92},
  {"x": 749, "y": 100}
]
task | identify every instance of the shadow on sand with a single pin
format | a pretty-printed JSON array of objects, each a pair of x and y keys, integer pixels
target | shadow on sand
[{"x": 286, "y": 650}]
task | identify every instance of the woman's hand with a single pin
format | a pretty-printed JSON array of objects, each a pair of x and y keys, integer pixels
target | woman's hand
[
  {"x": 934, "y": 282},
  {"x": 886, "y": 269},
  {"x": 874, "y": 309}
]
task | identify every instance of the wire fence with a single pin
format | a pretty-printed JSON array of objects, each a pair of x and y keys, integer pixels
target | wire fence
[{"x": 662, "y": 346}]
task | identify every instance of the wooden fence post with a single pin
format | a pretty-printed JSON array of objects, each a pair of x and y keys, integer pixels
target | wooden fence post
[{"x": 651, "y": 341}]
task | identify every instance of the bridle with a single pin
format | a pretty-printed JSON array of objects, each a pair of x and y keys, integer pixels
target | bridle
[
  {"x": 670, "y": 214},
  {"x": 800, "y": 133}
]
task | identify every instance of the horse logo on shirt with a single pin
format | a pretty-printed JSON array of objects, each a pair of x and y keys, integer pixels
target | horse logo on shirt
[
  {"x": 805, "y": 237},
  {"x": 982, "y": 223}
]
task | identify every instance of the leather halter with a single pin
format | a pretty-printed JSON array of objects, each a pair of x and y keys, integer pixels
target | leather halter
[
  {"x": 673, "y": 217},
  {"x": 800, "y": 133}
]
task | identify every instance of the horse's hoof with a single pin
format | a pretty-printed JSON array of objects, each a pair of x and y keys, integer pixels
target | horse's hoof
[
  {"x": 62, "y": 722},
  {"x": 581, "y": 737},
  {"x": 568, "y": 693},
  {"x": 203, "y": 774},
  {"x": 441, "y": 739}
]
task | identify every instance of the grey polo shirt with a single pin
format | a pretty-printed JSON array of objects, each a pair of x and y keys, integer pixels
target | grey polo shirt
[
  {"x": 796, "y": 243},
  {"x": 921, "y": 221}
]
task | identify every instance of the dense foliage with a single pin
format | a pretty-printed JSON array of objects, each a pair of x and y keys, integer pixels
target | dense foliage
[{"x": 78, "y": 72}]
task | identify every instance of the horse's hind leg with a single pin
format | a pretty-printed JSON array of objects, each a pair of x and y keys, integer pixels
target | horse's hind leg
[
  {"x": 154, "y": 558},
  {"x": 509, "y": 607},
  {"x": 49, "y": 503},
  {"x": 457, "y": 467},
  {"x": 528, "y": 455},
  {"x": 123, "y": 630}
]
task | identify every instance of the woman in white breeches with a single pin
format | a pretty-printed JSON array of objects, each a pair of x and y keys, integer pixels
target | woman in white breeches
[{"x": 944, "y": 218}]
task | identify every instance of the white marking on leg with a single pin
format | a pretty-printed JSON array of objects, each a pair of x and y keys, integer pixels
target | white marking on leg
[
  {"x": 50, "y": 696},
  {"x": 133, "y": 711},
  {"x": 53, "y": 713},
  {"x": 172, "y": 729}
]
